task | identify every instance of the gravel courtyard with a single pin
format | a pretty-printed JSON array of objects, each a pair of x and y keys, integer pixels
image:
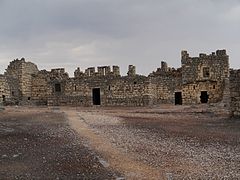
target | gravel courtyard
[
  {"x": 167, "y": 142},
  {"x": 39, "y": 144}
]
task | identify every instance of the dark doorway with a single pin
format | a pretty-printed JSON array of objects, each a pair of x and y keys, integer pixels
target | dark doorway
[
  {"x": 204, "y": 97},
  {"x": 57, "y": 87},
  {"x": 178, "y": 98},
  {"x": 96, "y": 96},
  {"x": 4, "y": 98}
]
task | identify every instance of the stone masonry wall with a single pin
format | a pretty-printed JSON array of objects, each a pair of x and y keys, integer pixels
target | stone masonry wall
[
  {"x": 192, "y": 92},
  {"x": 115, "y": 90},
  {"x": 21, "y": 72},
  {"x": 43, "y": 86},
  {"x": 28, "y": 69},
  {"x": 5, "y": 92},
  {"x": 235, "y": 91},
  {"x": 204, "y": 73},
  {"x": 23, "y": 83},
  {"x": 165, "y": 82}
]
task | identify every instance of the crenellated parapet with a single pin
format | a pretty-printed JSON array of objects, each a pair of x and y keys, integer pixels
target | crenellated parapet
[
  {"x": 212, "y": 67},
  {"x": 101, "y": 71},
  {"x": 131, "y": 70},
  {"x": 219, "y": 54}
]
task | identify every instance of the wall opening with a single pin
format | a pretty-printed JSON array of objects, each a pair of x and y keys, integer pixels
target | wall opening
[
  {"x": 4, "y": 98},
  {"x": 204, "y": 97},
  {"x": 178, "y": 98},
  {"x": 57, "y": 87},
  {"x": 206, "y": 72},
  {"x": 96, "y": 96},
  {"x": 29, "y": 98}
]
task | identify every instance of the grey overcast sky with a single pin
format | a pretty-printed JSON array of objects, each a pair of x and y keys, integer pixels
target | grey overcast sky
[{"x": 84, "y": 33}]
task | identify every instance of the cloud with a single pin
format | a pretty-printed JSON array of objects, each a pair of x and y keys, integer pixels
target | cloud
[
  {"x": 60, "y": 33},
  {"x": 233, "y": 14}
]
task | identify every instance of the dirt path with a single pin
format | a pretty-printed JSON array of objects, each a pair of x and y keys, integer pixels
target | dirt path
[
  {"x": 162, "y": 143},
  {"x": 116, "y": 159}
]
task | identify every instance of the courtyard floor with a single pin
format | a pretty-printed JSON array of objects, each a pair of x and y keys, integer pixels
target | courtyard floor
[{"x": 165, "y": 142}]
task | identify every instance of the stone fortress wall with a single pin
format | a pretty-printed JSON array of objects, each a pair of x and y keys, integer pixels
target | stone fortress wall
[
  {"x": 235, "y": 91},
  {"x": 4, "y": 89},
  {"x": 19, "y": 74},
  {"x": 204, "y": 73},
  {"x": 203, "y": 79}
]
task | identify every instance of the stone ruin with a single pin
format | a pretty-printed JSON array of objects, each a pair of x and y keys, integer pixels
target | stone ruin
[{"x": 206, "y": 79}]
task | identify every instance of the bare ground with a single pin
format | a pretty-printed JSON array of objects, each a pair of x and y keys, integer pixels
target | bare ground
[
  {"x": 167, "y": 142},
  {"x": 39, "y": 144}
]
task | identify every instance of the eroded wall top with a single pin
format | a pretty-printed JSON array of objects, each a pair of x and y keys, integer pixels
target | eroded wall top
[{"x": 213, "y": 67}]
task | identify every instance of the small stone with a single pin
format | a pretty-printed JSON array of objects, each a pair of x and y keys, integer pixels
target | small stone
[
  {"x": 15, "y": 155},
  {"x": 4, "y": 156}
]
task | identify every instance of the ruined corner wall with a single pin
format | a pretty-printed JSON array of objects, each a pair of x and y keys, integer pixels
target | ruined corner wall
[
  {"x": 21, "y": 73},
  {"x": 235, "y": 92},
  {"x": 204, "y": 73}
]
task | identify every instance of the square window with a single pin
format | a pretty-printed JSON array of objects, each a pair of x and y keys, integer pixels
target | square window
[
  {"x": 206, "y": 72},
  {"x": 57, "y": 87}
]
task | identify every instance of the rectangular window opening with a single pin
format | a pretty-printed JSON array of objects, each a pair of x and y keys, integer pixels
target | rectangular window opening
[
  {"x": 206, "y": 72},
  {"x": 57, "y": 87}
]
